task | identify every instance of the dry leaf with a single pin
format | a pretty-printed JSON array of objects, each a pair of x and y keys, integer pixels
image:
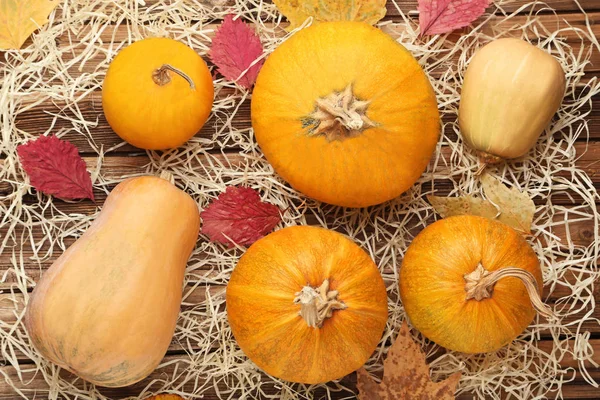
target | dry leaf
[
  {"x": 464, "y": 205},
  {"x": 239, "y": 216},
  {"x": 20, "y": 18},
  {"x": 405, "y": 375},
  {"x": 234, "y": 48},
  {"x": 55, "y": 167},
  {"x": 297, "y": 11},
  {"x": 516, "y": 208},
  {"x": 441, "y": 16},
  {"x": 506, "y": 205}
]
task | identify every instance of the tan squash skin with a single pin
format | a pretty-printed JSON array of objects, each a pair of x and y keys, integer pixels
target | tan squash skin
[
  {"x": 106, "y": 310},
  {"x": 432, "y": 284},
  {"x": 510, "y": 93},
  {"x": 266, "y": 322}
]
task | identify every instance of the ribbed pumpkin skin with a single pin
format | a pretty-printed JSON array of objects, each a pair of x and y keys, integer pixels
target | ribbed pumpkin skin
[
  {"x": 265, "y": 321},
  {"x": 150, "y": 116},
  {"x": 381, "y": 162},
  {"x": 106, "y": 310},
  {"x": 432, "y": 284}
]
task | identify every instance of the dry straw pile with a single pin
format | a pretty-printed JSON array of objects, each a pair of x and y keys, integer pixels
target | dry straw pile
[{"x": 65, "y": 66}]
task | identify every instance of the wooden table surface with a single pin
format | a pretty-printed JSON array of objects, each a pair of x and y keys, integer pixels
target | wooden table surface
[{"x": 127, "y": 160}]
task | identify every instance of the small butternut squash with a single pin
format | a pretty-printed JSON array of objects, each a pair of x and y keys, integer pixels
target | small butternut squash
[
  {"x": 510, "y": 93},
  {"x": 106, "y": 309}
]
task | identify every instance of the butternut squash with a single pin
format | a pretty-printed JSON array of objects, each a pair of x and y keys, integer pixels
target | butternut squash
[{"x": 106, "y": 310}]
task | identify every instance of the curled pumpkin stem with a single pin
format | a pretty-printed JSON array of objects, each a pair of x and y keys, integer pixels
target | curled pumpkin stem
[
  {"x": 161, "y": 75},
  {"x": 318, "y": 304},
  {"x": 480, "y": 283}
]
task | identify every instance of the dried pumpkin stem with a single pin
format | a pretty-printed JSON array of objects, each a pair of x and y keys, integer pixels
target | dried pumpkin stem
[
  {"x": 161, "y": 75},
  {"x": 480, "y": 284},
  {"x": 318, "y": 304},
  {"x": 338, "y": 116}
]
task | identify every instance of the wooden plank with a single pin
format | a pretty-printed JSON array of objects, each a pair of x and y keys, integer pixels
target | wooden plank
[
  {"x": 12, "y": 305},
  {"x": 49, "y": 117},
  {"x": 406, "y": 6},
  {"x": 115, "y": 168},
  {"x": 35, "y": 386},
  {"x": 75, "y": 47},
  {"x": 578, "y": 233}
]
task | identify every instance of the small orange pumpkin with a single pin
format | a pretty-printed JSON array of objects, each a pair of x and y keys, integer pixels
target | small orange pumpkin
[
  {"x": 307, "y": 304},
  {"x": 157, "y": 93},
  {"x": 345, "y": 114},
  {"x": 470, "y": 284}
]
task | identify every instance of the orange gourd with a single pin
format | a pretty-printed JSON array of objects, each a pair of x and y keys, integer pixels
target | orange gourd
[
  {"x": 345, "y": 114},
  {"x": 106, "y": 309},
  {"x": 471, "y": 284},
  {"x": 157, "y": 93},
  {"x": 307, "y": 304}
]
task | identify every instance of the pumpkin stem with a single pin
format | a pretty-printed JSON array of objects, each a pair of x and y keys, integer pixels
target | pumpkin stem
[
  {"x": 338, "y": 116},
  {"x": 480, "y": 284},
  {"x": 161, "y": 75},
  {"x": 318, "y": 304}
]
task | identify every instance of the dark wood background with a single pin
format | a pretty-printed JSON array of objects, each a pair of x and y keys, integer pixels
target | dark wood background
[{"x": 127, "y": 160}]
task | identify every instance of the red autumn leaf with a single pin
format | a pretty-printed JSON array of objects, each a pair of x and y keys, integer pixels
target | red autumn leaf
[
  {"x": 239, "y": 216},
  {"x": 441, "y": 16},
  {"x": 55, "y": 167},
  {"x": 234, "y": 47}
]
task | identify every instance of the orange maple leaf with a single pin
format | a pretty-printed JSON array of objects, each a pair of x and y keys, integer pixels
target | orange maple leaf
[{"x": 405, "y": 375}]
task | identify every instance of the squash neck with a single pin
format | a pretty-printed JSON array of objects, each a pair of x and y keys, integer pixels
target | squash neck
[
  {"x": 338, "y": 116},
  {"x": 318, "y": 304},
  {"x": 480, "y": 285}
]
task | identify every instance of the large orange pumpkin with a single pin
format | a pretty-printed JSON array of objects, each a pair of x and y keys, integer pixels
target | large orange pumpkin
[
  {"x": 345, "y": 114},
  {"x": 470, "y": 284},
  {"x": 307, "y": 304},
  {"x": 106, "y": 309},
  {"x": 157, "y": 93}
]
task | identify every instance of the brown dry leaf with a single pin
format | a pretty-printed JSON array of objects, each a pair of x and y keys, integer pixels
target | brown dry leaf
[
  {"x": 464, "y": 205},
  {"x": 405, "y": 375},
  {"x": 508, "y": 206},
  {"x": 19, "y": 18},
  {"x": 516, "y": 208},
  {"x": 297, "y": 11}
]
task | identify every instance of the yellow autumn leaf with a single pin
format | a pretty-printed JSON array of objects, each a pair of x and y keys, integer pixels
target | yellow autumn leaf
[
  {"x": 297, "y": 11},
  {"x": 508, "y": 206},
  {"x": 516, "y": 208},
  {"x": 20, "y": 18}
]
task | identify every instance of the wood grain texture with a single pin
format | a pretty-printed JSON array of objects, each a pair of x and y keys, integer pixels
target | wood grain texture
[
  {"x": 127, "y": 160},
  {"x": 394, "y": 7},
  {"x": 50, "y": 116}
]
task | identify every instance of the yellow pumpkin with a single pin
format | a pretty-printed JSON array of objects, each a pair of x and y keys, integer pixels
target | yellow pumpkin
[
  {"x": 345, "y": 114},
  {"x": 470, "y": 284},
  {"x": 306, "y": 304},
  {"x": 107, "y": 308},
  {"x": 157, "y": 93}
]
